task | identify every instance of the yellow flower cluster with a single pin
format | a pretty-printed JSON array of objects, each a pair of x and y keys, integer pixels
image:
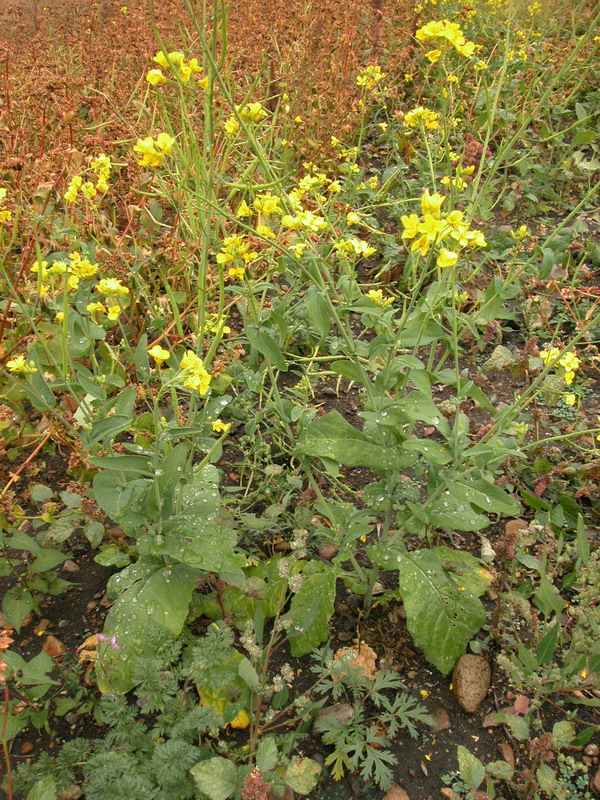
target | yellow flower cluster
[
  {"x": 443, "y": 32},
  {"x": 20, "y": 364},
  {"x": 357, "y": 247},
  {"x": 251, "y": 112},
  {"x": 216, "y": 324},
  {"x": 111, "y": 287},
  {"x": 195, "y": 375},
  {"x": 376, "y": 295},
  {"x": 235, "y": 247},
  {"x": 458, "y": 182},
  {"x": 5, "y": 213},
  {"x": 101, "y": 167},
  {"x": 112, "y": 312},
  {"x": 76, "y": 269},
  {"x": 433, "y": 227},
  {"x": 421, "y": 116},
  {"x": 154, "y": 150},
  {"x": 177, "y": 63},
  {"x": 566, "y": 366},
  {"x": 267, "y": 204},
  {"x": 304, "y": 220},
  {"x": 370, "y": 76}
]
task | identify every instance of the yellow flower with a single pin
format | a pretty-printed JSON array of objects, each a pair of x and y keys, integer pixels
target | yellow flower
[
  {"x": 376, "y": 295},
  {"x": 111, "y": 287},
  {"x": 237, "y": 272},
  {"x": 569, "y": 398},
  {"x": 231, "y": 126},
  {"x": 59, "y": 316},
  {"x": 155, "y": 77},
  {"x": 243, "y": 210},
  {"x": 196, "y": 377},
  {"x": 447, "y": 258},
  {"x": 433, "y": 55},
  {"x": 411, "y": 226},
  {"x": 41, "y": 268},
  {"x": 159, "y": 354},
  {"x": 152, "y": 151},
  {"x": 219, "y": 426},
  {"x": 203, "y": 83},
  {"x": 72, "y": 189},
  {"x": 113, "y": 313},
  {"x": 298, "y": 249},
  {"x": 370, "y": 76},
  {"x": 20, "y": 364},
  {"x": 264, "y": 230},
  {"x": 268, "y": 204},
  {"x": 356, "y": 246},
  {"x": 252, "y": 112},
  {"x": 421, "y": 115},
  {"x": 432, "y": 203},
  {"x": 92, "y": 308},
  {"x": 88, "y": 190},
  {"x": 352, "y": 218}
]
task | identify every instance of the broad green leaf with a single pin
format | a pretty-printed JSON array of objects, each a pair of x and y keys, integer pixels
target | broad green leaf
[
  {"x": 302, "y": 775},
  {"x": 103, "y": 430},
  {"x": 331, "y": 436},
  {"x": 311, "y": 609},
  {"x": 318, "y": 311},
  {"x": 433, "y": 452},
  {"x": 267, "y": 346},
  {"x": 16, "y": 605},
  {"x": 547, "y": 598},
  {"x": 547, "y": 644},
  {"x": 486, "y": 496},
  {"x": 44, "y": 789},
  {"x": 216, "y": 777},
  {"x": 48, "y": 558},
  {"x": 442, "y": 613},
  {"x": 195, "y": 536},
  {"x": 349, "y": 370},
  {"x": 471, "y": 769},
  {"x": 550, "y": 784},
  {"x": 266, "y": 754},
  {"x": 501, "y": 770},
  {"x": 157, "y": 597},
  {"x": 454, "y": 513}
]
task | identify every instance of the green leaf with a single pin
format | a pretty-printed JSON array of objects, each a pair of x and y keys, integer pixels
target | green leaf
[
  {"x": 267, "y": 346},
  {"x": 582, "y": 546},
  {"x": 454, "y": 513},
  {"x": 302, "y": 775},
  {"x": 311, "y": 609},
  {"x": 471, "y": 769},
  {"x": 349, "y": 370},
  {"x": 547, "y": 644},
  {"x": 16, "y": 605},
  {"x": 550, "y": 784},
  {"x": 563, "y": 733},
  {"x": 486, "y": 496},
  {"x": 501, "y": 770},
  {"x": 216, "y": 777},
  {"x": 156, "y": 597},
  {"x": 140, "y": 359},
  {"x": 45, "y": 789},
  {"x": 48, "y": 558},
  {"x": 547, "y": 598},
  {"x": 441, "y": 617},
  {"x": 331, "y": 436},
  {"x": 433, "y": 452},
  {"x": 103, "y": 430},
  {"x": 195, "y": 535},
  {"x": 248, "y": 674},
  {"x": 41, "y": 493},
  {"x": 318, "y": 312},
  {"x": 266, "y": 754}
]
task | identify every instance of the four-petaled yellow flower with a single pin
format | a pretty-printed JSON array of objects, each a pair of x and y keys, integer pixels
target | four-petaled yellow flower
[
  {"x": 219, "y": 426},
  {"x": 447, "y": 258},
  {"x": 154, "y": 150},
  {"x": 159, "y": 354},
  {"x": 111, "y": 287},
  {"x": 376, "y": 295}
]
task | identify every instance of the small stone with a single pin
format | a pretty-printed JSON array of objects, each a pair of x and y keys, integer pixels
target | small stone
[
  {"x": 592, "y": 750},
  {"x": 514, "y": 526},
  {"x": 441, "y": 719},
  {"x": 63, "y": 623},
  {"x": 596, "y": 782},
  {"x": 396, "y": 793},
  {"x": 72, "y": 793},
  {"x": 341, "y": 713},
  {"x": 70, "y": 566},
  {"x": 470, "y": 681},
  {"x": 26, "y": 747},
  {"x": 328, "y": 551},
  {"x": 378, "y": 588},
  {"x": 72, "y": 717},
  {"x": 448, "y": 793},
  {"x": 402, "y": 612},
  {"x": 412, "y": 673},
  {"x": 53, "y": 647}
]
